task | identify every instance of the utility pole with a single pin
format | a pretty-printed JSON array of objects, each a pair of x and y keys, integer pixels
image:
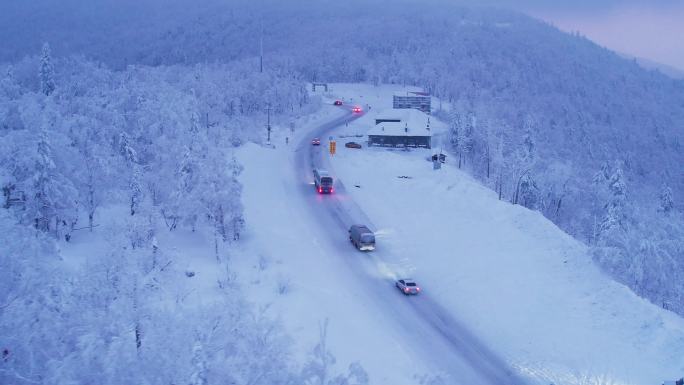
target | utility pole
[
  {"x": 268, "y": 122},
  {"x": 261, "y": 49}
]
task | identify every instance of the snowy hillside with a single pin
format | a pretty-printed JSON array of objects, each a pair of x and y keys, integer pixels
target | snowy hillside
[
  {"x": 120, "y": 210},
  {"x": 159, "y": 222},
  {"x": 526, "y": 288},
  {"x": 588, "y": 117},
  {"x": 524, "y": 285}
]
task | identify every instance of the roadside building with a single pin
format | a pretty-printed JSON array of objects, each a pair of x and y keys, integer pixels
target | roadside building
[
  {"x": 412, "y": 99},
  {"x": 401, "y": 128}
]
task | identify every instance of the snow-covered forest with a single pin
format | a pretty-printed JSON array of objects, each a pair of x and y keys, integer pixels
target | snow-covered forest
[
  {"x": 154, "y": 143},
  {"x": 551, "y": 120},
  {"x": 141, "y": 106}
]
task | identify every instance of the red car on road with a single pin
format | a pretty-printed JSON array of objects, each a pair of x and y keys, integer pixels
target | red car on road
[
  {"x": 356, "y": 109},
  {"x": 338, "y": 102}
]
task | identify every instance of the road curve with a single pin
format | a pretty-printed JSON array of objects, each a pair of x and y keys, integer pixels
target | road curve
[{"x": 426, "y": 327}]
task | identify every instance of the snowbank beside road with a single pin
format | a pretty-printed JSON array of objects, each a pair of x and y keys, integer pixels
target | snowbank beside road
[{"x": 525, "y": 287}]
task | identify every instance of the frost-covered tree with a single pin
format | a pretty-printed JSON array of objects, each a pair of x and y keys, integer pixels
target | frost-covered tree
[
  {"x": 8, "y": 84},
  {"x": 528, "y": 147},
  {"x": 52, "y": 202},
  {"x": 237, "y": 221},
  {"x": 199, "y": 374},
  {"x": 46, "y": 72},
  {"x": 614, "y": 209},
  {"x": 135, "y": 190},
  {"x": 320, "y": 368},
  {"x": 126, "y": 149},
  {"x": 187, "y": 194},
  {"x": 95, "y": 179},
  {"x": 527, "y": 193},
  {"x": 526, "y": 190},
  {"x": 666, "y": 200},
  {"x": 485, "y": 139},
  {"x": 221, "y": 199},
  {"x": 461, "y": 130},
  {"x": 465, "y": 138}
]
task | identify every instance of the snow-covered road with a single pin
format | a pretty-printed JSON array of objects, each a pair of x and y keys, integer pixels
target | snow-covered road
[{"x": 426, "y": 328}]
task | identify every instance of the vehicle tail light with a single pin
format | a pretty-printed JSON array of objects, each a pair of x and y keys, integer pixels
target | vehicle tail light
[
  {"x": 332, "y": 189},
  {"x": 417, "y": 289},
  {"x": 320, "y": 190},
  {"x": 406, "y": 289}
]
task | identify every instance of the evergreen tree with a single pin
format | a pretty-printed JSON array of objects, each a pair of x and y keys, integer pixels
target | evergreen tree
[
  {"x": 666, "y": 201},
  {"x": 46, "y": 72},
  {"x": 465, "y": 138},
  {"x": 454, "y": 128},
  {"x": 529, "y": 146},
  {"x": 8, "y": 85},
  {"x": 53, "y": 202},
  {"x": 528, "y": 192},
  {"x": 95, "y": 179},
  {"x": 616, "y": 184},
  {"x": 614, "y": 209},
  {"x": 461, "y": 135},
  {"x": 135, "y": 190},
  {"x": 126, "y": 150},
  {"x": 198, "y": 375}
]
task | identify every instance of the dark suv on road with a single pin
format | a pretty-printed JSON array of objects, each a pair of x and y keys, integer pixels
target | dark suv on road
[{"x": 362, "y": 238}]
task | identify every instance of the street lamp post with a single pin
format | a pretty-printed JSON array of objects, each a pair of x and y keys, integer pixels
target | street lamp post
[{"x": 268, "y": 122}]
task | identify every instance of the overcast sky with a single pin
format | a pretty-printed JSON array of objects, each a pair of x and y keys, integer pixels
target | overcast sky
[{"x": 651, "y": 29}]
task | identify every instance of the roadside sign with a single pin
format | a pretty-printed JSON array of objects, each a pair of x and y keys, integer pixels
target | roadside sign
[{"x": 333, "y": 147}]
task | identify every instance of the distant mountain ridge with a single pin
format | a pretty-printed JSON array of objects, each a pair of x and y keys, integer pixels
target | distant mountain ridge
[{"x": 673, "y": 72}]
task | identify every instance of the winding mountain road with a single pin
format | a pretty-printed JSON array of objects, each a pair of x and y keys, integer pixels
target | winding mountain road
[{"x": 426, "y": 328}]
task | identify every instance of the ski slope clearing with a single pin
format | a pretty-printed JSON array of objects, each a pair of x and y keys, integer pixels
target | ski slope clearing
[{"x": 527, "y": 289}]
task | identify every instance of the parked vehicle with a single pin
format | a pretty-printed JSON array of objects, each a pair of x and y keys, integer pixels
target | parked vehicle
[
  {"x": 323, "y": 182},
  {"x": 352, "y": 145},
  {"x": 439, "y": 157},
  {"x": 338, "y": 102},
  {"x": 362, "y": 238},
  {"x": 407, "y": 286},
  {"x": 315, "y": 142}
]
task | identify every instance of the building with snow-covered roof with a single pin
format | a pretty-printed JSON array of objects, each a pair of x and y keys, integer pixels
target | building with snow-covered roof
[
  {"x": 413, "y": 117},
  {"x": 412, "y": 99},
  {"x": 401, "y": 128}
]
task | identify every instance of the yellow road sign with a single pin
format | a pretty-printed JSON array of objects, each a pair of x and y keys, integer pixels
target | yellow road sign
[{"x": 333, "y": 147}]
